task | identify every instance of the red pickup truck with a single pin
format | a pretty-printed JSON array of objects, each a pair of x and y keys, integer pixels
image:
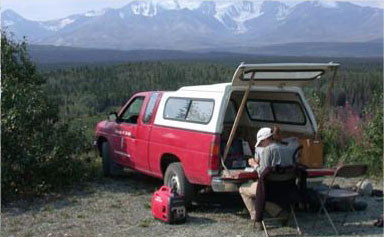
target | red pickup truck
[{"x": 197, "y": 135}]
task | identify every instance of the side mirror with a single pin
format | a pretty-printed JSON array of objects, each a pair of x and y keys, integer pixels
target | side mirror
[
  {"x": 133, "y": 119},
  {"x": 112, "y": 117}
]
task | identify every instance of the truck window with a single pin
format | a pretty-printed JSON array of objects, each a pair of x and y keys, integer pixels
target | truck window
[
  {"x": 200, "y": 111},
  {"x": 132, "y": 112},
  {"x": 151, "y": 105},
  {"x": 176, "y": 108},
  {"x": 289, "y": 112},
  {"x": 189, "y": 110},
  {"x": 260, "y": 110}
]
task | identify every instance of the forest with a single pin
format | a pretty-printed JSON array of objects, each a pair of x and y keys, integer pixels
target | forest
[
  {"x": 91, "y": 90},
  {"x": 83, "y": 95}
]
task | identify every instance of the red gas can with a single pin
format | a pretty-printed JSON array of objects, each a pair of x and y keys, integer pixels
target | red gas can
[{"x": 168, "y": 206}]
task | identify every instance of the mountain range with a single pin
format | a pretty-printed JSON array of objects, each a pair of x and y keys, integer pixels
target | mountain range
[{"x": 207, "y": 26}]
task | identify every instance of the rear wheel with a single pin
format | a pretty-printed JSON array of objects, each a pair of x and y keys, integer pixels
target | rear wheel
[
  {"x": 175, "y": 177},
  {"x": 110, "y": 168}
]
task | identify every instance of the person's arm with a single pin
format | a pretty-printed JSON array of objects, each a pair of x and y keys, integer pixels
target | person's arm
[
  {"x": 258, "y": 152},
  {"x": 254, "y": 162},
  {"x": 264, "y": 160}
]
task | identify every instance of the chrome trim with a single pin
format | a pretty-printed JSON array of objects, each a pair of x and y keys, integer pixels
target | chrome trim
[
  {"x": 213, "y": 172},
  {"x": 220, "y": 185},
  {"x": 123, "y": 154}
]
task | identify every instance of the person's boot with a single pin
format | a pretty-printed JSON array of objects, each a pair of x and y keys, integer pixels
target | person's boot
[{"x": 257, "y": 225}]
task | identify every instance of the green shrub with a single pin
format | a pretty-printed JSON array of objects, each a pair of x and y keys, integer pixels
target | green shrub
[
  {"x": 39, "y": 152},
  {"x": 371, "y": 149},
  {"x": 343, "y": 146}
]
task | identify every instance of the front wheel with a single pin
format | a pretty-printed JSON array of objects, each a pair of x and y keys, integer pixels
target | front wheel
[
  {"x": 175, "y": 177},
  {"x": 110, "y": 168}
]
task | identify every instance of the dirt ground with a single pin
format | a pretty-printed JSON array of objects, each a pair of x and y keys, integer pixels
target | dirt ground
[{"x": 121, "y": 207}]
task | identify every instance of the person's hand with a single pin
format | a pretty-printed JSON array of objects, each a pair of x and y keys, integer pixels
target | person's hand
[{"x": 252, "y": 162}]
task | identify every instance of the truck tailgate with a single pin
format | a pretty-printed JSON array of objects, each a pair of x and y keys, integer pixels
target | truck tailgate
[
  {"x": 239, "y": 175},
  {"x": 230, "y": 182}
]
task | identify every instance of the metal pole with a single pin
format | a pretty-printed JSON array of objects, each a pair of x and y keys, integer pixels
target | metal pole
[
  {"x": 327, "y": 103},
  {"x": 236, "y": 122}
]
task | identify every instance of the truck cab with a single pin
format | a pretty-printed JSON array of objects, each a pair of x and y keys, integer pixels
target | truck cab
[{"x": 203, "y": 135}]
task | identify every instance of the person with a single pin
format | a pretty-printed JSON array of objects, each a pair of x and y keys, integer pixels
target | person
[
  {"x": 268, "y": 152},
  {"x": 276, "y": 137},
  {"x": 290, "y": 142}
]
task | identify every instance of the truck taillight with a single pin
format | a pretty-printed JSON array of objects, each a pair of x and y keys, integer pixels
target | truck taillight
[{"x": 214, "y": 157}]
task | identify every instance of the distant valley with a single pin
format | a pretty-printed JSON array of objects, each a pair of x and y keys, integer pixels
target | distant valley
[{"x": 43, "y": 54}]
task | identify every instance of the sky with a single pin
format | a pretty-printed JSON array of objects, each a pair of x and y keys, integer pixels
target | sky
[{"x": 55, "y": 9}]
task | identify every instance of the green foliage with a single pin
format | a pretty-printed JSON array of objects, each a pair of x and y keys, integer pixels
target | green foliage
[
  {"x": 365, "y": 147},
  {"x": 88, "y": 91},
  {"x": 371, "y": 150},
  {"x": 39, "y": 152},
  {"x": 333, "y": 148},
  {"x": 358, "y": 91}
]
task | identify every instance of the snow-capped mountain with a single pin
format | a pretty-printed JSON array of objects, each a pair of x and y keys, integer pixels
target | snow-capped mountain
[
  {"x": 234, "y": 16},
  {"x": 22, "y": 27},
  {"x": 155, "y": 24}
]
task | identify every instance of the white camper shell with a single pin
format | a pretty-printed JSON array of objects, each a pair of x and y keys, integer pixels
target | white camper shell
[{"x": 270, "y": 82}]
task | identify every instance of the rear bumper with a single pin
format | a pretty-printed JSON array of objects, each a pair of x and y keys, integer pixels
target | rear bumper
[
  {"x": 224, "y": 185},
  {"x": 230, "y": 180}
]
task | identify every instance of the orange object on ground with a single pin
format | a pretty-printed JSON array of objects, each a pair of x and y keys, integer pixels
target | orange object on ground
[{"x": 312, "y": 154}]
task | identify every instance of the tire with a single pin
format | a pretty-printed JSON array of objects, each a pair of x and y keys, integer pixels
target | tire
[
  {"x": 110, "y": 168},
  {"x": 174, "y": 175}
]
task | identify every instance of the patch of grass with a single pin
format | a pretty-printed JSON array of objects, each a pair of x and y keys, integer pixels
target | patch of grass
[
  {"x": 48, "y": 208},
  {"x": 147, "y": 205},
  {"x": 73, "y": 200},
  {"x": 143, "y": 191},
  {"x": 137, "y": 193},
  {"x": 65, "y": 215},
  {"x": 29, "y": 233},
  {"x": 81, "y": 216},
  {"x": 12, "y": 225},
  {"x": 145, "y": 222},
  {"x": 51, "y": 220},
  {"x": 116, "y": 204}
]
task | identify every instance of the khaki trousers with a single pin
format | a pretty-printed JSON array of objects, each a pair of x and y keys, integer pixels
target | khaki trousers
[{"x": 248, "y": 193}]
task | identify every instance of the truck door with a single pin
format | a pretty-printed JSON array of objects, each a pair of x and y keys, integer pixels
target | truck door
[
  {"x": 126, "y": 130},
  {"x": 144, "y": 132}
]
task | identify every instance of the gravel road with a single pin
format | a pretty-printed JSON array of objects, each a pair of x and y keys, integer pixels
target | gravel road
[{"x": 121, "y": 207}]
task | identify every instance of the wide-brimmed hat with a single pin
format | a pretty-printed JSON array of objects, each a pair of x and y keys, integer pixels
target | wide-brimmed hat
[{"x": 263, "y": 134}]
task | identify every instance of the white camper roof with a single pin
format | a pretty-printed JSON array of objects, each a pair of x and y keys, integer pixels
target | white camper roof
[{"x": 220, "y": 88}]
